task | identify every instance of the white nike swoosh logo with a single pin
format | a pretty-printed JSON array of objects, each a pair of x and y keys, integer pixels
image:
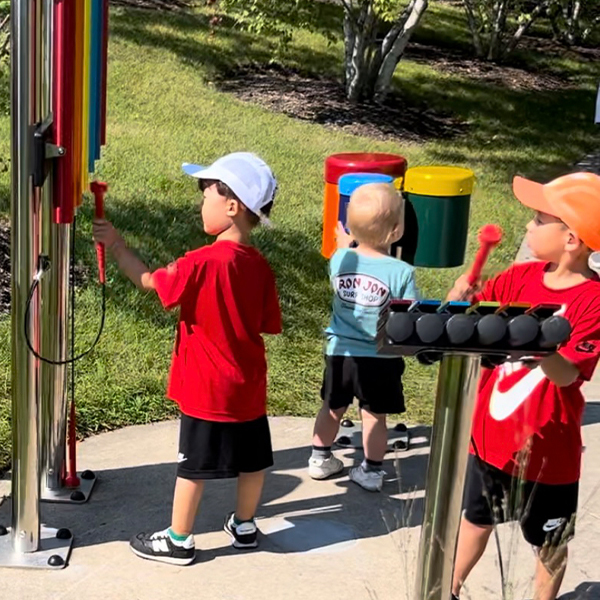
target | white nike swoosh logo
[
  {"x": 552, "y": 525},
  {"x": 504, "y": 404}
]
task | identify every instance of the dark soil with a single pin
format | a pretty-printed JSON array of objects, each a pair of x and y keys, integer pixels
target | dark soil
[
  {"x": 322, "y": 100},
  {"x": 510, "y": 77},
  {"x": 82, "y": 272},
  {"x": 168, "y": 5}
]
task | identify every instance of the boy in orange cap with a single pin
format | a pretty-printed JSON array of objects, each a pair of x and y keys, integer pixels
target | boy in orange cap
[{"x": 526, "y": 445}]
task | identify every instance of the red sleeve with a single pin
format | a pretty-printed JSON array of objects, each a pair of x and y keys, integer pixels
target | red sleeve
[
  {"x": 583, "y": 347},
  {"x": 272, "y": 316},
  {"x": 171, "y": 282},
  {"x": 507, "y": 286}
]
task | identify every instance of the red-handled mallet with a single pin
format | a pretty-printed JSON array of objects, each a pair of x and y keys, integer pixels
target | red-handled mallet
[
  {"x": 489, "y": 237},
  {"x": 98, "y": 188},
  {"x": 71, "y": 480}
]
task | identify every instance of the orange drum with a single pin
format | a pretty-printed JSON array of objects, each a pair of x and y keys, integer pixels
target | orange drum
[{"x": 337, "y": 165}]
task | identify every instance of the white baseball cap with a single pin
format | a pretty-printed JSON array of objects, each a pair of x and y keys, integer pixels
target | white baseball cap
[{"x": 248, "y": 176}]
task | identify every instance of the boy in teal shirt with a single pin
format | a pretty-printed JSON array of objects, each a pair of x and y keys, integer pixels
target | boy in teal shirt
[{"x": 364, "y": 279}]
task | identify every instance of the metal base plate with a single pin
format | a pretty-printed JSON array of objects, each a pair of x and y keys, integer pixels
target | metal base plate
[
  {"x": 53, "y": 553},
  {"x": 351, "y": 437},
  {"x": 78, "y": 495}
]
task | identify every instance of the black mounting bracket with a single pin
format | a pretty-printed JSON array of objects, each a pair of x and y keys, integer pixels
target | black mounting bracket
[{"x": 44, "y": 151}]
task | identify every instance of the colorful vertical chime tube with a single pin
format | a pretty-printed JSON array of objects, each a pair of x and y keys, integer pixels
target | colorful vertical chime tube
[
  {"x": 95, "y": 82},
  {"x": 104, "y": 72},
  {"x": 99, "y": 76},
  {"x": 63, "y": 102},
  {"x": 85, "y": 130},
  {"x": 79, "y": 97},
  {"x": 78, "y": 101}
]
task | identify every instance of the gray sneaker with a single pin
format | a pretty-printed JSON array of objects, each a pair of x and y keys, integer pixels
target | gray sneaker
[
  {"x": 322, "y": 468},
  {"x": 371, "y": 481}
]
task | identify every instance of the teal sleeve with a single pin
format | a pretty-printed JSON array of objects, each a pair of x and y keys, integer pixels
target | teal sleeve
[
  {"x": 335, "y": 261},
  {"x": 411, "y": 292}
]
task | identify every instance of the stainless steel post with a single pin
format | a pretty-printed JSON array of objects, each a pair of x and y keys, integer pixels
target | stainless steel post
[
  {"x": 54, "y": 301},
  {"x": 28, "y": 545},
  {"x": 457, "y": 386},
  {"x": 54, "y": 337},
  {"x": 25, "y": 530}
]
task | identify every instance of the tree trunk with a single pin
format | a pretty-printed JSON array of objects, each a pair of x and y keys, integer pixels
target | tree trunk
[
  {"x": 586, "y": 32},
  {"x": 397, "y": 48},
  {"x": 349, "y": 41},
  {"x": 498, "y": 29},
  {"x": 4, "y": 46},
  {"x": 573, "y": 22},
  {"x": 516, "y": 38},
  {"x": 355, "y": 54},
  {"x": 474, "y": 28}
]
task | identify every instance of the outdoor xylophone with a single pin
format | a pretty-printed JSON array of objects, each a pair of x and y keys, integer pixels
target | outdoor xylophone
[{"x": 428, "y": 329}]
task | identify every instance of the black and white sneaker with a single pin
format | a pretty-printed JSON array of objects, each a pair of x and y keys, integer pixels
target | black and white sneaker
[
  {"x": 243, "y": 535},
  {"x": 160, "y": 547}
]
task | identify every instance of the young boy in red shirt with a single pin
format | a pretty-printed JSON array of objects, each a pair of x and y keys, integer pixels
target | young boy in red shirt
[
  {"x": 526, "y": 446},
  {"x": 227, "y": 298}
]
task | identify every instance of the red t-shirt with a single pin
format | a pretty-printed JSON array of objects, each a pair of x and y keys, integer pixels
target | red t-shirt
[
  {"x": 227, "y": 297},
  {"x": 520, "y": 412}
]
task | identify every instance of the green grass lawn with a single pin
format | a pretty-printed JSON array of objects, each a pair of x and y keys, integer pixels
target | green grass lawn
[{"x": 164, "y": 109}]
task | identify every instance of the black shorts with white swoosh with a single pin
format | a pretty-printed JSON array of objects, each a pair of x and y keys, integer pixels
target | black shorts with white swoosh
[
  {"x": 220, "y": 450},
  {"x": 546, "y": 513}
]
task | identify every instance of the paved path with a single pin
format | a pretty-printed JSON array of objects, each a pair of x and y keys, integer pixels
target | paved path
[{"x": 321, "y": 539}]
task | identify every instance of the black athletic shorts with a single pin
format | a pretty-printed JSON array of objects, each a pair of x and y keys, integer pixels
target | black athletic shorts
[
  {"x": 545, "y": 512},
  {"x": 216, "y": 450},
  {"x": 376, "y": 382}
]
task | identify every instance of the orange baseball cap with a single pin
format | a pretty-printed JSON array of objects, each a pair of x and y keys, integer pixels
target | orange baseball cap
[{"x": 574, "y": 199}]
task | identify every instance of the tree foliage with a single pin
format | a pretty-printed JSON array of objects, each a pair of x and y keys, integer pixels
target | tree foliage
[
  {"x": 573, "y": 21},
  {"x": 497, "y": 26}
]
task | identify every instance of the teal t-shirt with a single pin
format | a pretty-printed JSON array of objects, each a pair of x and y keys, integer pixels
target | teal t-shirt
[{"x": 363, "y": 286}]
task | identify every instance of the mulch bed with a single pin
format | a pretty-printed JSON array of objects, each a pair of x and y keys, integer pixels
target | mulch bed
[
  {"x": 510, "y": 77},
  {"x": 167, "y": 5},
  {"x": 322, "y": 100}
]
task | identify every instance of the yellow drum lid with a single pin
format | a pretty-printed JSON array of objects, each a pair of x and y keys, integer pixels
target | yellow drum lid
[{"x": 439, "y": 181}]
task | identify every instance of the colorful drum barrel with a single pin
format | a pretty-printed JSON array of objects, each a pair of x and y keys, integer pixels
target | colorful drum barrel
[
  {"x": 337, "y": 165},
  {"x": 437, "y": 216}
]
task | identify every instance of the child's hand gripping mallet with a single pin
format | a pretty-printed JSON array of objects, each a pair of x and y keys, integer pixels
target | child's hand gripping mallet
[
  {"x": 489, "y": 237},
  {"x": 98, "y": 188}
]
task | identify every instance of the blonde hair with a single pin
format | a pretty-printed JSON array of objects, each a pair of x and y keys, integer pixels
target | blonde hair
[{"x": 376, "y": 214}]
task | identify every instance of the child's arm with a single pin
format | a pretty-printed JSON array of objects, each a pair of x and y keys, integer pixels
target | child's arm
[
  {"x": 342, "y": 239},
  {"x": 463, "y": 290},
  {"x": 128, "y": 262},
  {"x": 559, "y": 370},
  {"x": 577, "y": 359}
]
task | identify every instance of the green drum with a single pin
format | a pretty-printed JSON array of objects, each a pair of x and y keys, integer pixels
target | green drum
[{"x": 437, "y": 216}]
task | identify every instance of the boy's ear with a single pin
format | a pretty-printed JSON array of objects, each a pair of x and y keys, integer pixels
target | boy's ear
[
  {"x": 233, "y": 207},
  {"x": 573, "y": 241},
  {"x": 396, "y": 233}
]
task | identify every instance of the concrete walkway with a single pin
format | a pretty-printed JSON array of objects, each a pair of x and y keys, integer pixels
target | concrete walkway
[{"x": 320, "y": 539}]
